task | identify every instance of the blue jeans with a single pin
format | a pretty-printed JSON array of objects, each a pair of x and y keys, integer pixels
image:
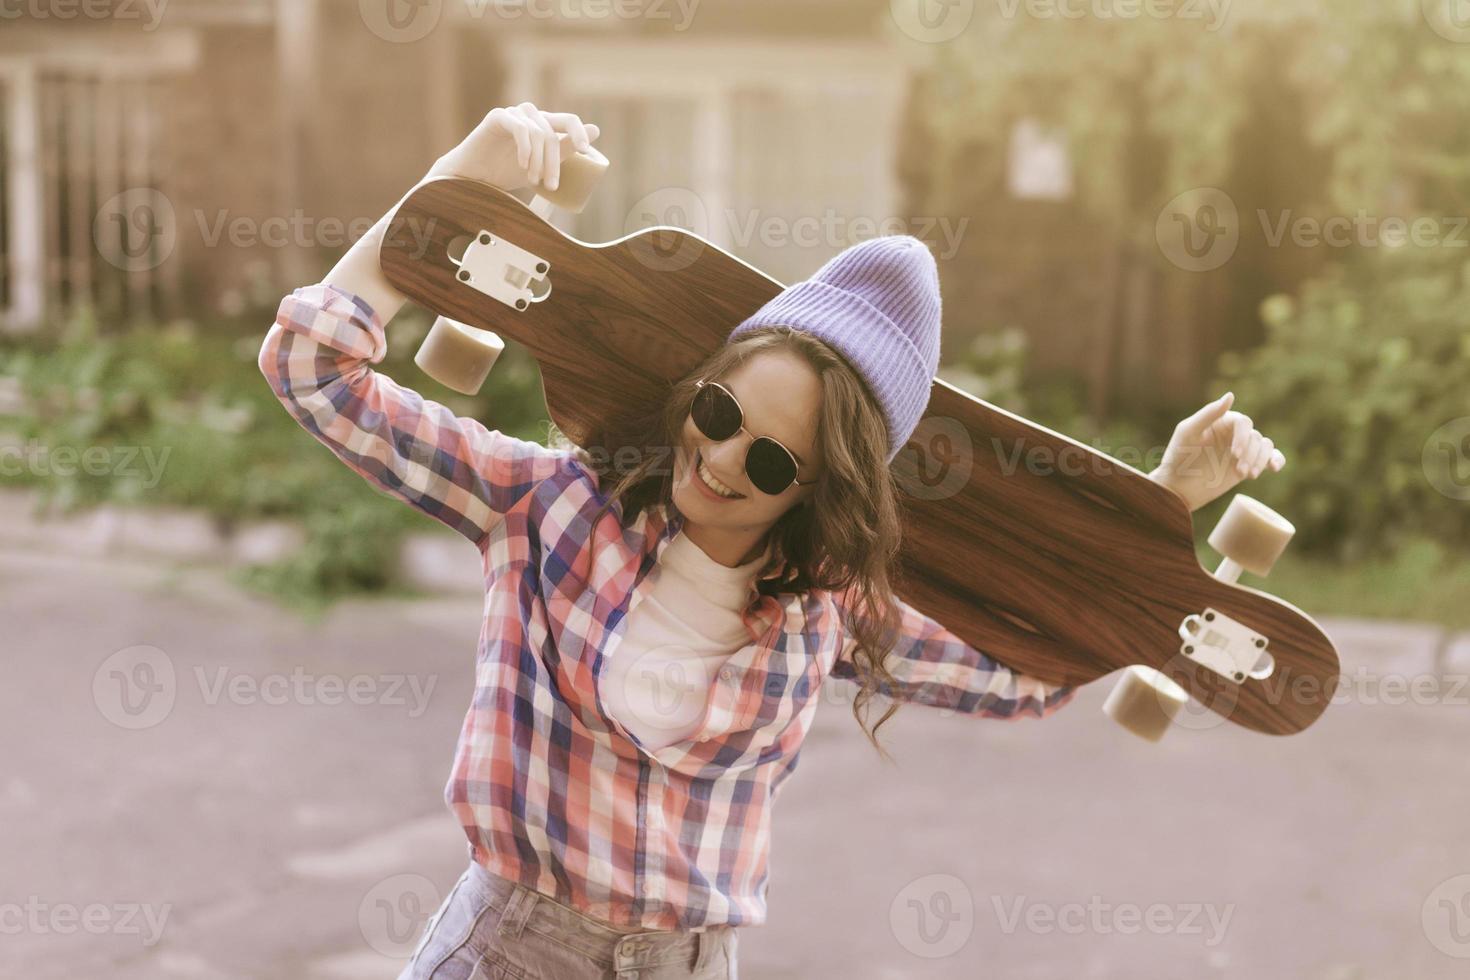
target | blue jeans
[{"x": 491, "y": 928}]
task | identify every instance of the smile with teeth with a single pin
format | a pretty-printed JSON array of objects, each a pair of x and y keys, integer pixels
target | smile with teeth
[{"x": 712, "y": 482}]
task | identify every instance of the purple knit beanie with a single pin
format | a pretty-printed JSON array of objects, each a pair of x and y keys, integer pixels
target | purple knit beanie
[{"x": 877, "y": 303}]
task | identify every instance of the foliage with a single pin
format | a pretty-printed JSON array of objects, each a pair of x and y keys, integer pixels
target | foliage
[
  {"x": 193, "y": 399},
  {"x": 993, "y": 368},
  {"x": 1365, "y": 362},
  {"x": 1357, "y": 374},
  {"x": 1382, "y": 91}
]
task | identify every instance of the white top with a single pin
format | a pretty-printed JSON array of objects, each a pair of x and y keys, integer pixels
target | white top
[{"x": 675, "y": 640}]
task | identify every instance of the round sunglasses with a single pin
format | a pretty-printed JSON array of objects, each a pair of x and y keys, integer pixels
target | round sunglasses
[{"x": 770, "y": 465}]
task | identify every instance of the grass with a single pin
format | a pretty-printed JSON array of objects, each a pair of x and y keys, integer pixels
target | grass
[
  {"x": 193, "y": 397},
  {"x": 1422, "y": 581},
  {"x": 195, "y": 391}
]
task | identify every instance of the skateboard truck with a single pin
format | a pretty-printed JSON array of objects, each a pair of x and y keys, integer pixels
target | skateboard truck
[
  {"x": 504, "y": 271},
  {"x": 1229, "y": 648},
  {"x": 1250, "y": 537},
  {"x": 460, "y": 356}
]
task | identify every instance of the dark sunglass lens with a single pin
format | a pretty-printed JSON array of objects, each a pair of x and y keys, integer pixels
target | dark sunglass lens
[
  {"x": 769, "y": 466},
  {"x": 715, "y": 412}
]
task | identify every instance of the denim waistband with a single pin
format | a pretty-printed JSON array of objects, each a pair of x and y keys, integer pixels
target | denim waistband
[{"x": 609, "y": 945}]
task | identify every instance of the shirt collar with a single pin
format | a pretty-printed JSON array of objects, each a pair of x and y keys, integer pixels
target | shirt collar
[{"x": 674, "y": 520}]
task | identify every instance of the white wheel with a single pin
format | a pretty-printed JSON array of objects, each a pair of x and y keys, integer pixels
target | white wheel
[
  {"x": 580, "y": 171},
  {"x": 458, "y": 355},
  {"x": 1251, "y": 535},
  {"x": 1145, "y": 702}
]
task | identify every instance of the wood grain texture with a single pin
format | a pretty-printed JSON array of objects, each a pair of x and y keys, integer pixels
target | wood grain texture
[{"x": 1055, "y": 559}]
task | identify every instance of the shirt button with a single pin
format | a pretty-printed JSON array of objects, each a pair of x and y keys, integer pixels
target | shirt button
[{"x": 725, "y": 673}]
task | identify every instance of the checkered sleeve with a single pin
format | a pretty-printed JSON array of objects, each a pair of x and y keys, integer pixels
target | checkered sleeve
[
  {"x": 318, "y": 357},
  {"x": 932, "y": 666}
]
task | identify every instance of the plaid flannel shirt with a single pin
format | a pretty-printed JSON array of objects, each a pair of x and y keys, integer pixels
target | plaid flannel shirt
[{"x": 550, "y": 790}]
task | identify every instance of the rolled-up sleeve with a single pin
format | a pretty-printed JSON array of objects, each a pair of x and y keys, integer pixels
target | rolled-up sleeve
[
  {"x": 318, "y": 357},
  {"x": 932, "y": 666}
]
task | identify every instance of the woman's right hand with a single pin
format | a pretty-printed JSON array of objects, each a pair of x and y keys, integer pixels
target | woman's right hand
[{"x": 515, "y": 147}]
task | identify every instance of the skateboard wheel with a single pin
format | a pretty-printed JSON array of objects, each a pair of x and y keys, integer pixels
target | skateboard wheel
[
  {"x": 1145, "y": 702},
  {"x": 458, "y": 355},
  {"x": 1251, "y": 534},
  {"x": 579, "y": 174}
]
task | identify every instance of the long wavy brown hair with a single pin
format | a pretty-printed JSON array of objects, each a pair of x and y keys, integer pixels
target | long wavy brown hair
[{"x": 844, "y": 537}]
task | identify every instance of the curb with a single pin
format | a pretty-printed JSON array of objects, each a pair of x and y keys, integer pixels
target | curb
[{"x": 429, "y": 562}]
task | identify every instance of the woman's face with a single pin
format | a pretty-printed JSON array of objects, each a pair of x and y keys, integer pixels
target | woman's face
[{"x": 781, "y": 397}]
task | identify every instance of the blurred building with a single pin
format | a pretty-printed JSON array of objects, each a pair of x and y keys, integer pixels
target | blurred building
[
  {"x": 166, "y": 157},
  {"x": 251, "y": 137}
]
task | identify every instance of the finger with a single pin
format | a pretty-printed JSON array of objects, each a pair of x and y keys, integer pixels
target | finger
[
  {"x": 1278, "y": 460},
  {"x": 1262, "y": 457},
  {"x": 1210, "y": 413},
  {"x": 566, "y": 122},
  {"x": 1242, "y": 432},
  {"x": 550, "y": 150},
  {"x": 1246, "y": 461},
  {"x": 516, "y": 126},
  {"x": 550, "y": 160},
  {"x": 536, "y": 131}
]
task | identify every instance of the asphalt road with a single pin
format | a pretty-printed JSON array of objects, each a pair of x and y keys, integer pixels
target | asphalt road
[{"x": 275, "y": 810}]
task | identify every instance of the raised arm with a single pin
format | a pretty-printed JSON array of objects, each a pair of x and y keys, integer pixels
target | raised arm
[
  {"x": 934, "y": 667},
  {"x": 318, "y": 358},
  {"x": 319, "y": 354}
]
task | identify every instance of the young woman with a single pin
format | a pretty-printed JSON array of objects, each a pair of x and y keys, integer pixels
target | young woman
[{"x": 657, "y": 631}]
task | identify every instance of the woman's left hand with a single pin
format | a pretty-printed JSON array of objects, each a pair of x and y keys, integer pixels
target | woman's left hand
[{"x": 1213, "y": 450}]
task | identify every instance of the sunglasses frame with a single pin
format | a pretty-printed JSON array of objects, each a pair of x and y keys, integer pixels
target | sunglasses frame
[{"x": 795, "y": 463}]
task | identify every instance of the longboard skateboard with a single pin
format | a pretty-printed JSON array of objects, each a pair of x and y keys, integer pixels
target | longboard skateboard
[{"x": 1055, "y": 559}]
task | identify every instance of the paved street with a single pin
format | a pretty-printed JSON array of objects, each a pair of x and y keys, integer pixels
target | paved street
[{"x": 278, "y": 813}]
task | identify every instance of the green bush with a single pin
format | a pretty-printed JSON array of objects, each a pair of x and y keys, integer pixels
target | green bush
[
  {"x": 1356, "y": 375},
  {"x": 197, "y": 395},
  {"x": 993, "y": 367}
]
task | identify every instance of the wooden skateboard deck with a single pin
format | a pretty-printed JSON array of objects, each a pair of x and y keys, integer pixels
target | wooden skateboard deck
[{"x": 1055, "y": 559}]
